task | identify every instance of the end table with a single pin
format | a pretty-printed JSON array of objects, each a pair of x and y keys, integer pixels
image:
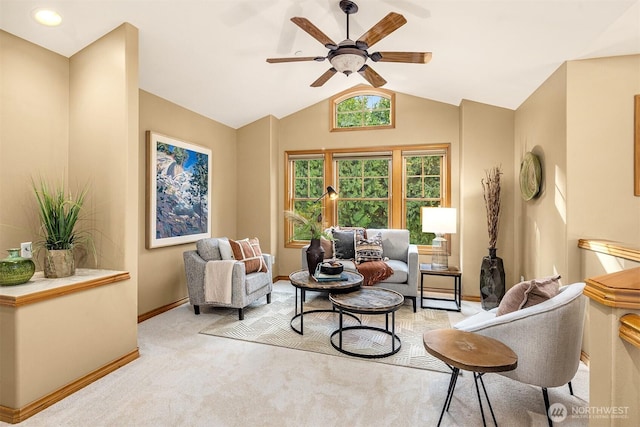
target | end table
[{"x": 455, "y": 273}]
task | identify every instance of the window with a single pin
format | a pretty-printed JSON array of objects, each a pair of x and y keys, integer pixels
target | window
[
  {"x": 423, "y": 174},
  {"x": 363, "y": 188},
  {"x": 378, "y": 188},
  {"x": 362, "y": 108},
  {"x": 307, "y": 177}
]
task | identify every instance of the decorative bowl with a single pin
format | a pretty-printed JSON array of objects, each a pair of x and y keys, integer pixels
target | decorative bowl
[{"x": 331, "y": 268}]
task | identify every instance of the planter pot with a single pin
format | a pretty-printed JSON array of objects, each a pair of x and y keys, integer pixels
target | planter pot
[
  {"x": 315, "y": 255},
  {"x": 59, "y": 263},
  {"x": 491, "y": 280},
  {"x": 15, "y": 270}
]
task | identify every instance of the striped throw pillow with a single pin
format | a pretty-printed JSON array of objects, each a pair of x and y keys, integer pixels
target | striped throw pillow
[{"x": 248, "y": 251}]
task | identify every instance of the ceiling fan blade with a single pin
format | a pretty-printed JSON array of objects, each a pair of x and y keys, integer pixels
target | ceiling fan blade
[
  {"x": 382, "y": 29},
  {"x": 295, "y": 59},
  {"x": 323, "y": 78},
  {"x": 371, "y": 76},
  {"x": 407, "y": 57},
  {"x": 314, "y": 32}
]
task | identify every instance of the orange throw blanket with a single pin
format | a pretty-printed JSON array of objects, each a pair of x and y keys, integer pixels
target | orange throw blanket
[{"x": 374, "y": 272}]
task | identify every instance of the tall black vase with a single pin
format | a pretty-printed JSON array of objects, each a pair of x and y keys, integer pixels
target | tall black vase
[
  {"x": 315, "y": 255},
  {"x": 491, "y": 280}
]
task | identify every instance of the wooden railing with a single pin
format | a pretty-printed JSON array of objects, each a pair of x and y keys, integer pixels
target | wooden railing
[
  {"x": 620, "y": 289},
  {"x": 630, "y": 329},
  {"x": 609, "y": 247}
]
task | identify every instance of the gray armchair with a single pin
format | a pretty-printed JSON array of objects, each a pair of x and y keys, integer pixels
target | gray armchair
[
  {"x": 245, "y": 288},
  {"x": 402, "y": 258},
  {"x": 547, "y": 338}
]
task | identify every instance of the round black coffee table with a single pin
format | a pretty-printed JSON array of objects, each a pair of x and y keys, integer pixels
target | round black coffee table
[
  {"x": 368, "y": 301},
  {"x": 301, "y": 280}
]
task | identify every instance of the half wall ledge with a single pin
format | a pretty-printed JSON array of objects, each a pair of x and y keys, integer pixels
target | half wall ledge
[{"x": 59, "y": 335}]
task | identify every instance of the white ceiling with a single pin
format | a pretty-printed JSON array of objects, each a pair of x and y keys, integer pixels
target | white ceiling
[{"x": 209, "y": 55}]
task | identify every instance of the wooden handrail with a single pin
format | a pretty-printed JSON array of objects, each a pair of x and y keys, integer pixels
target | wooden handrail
[
  {"x": 620, "y": 289},
  {"x": 613, "y": 248},
  {"x": 630, "y": 329}
]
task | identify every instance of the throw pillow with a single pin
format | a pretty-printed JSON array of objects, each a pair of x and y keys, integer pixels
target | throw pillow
[
  {"x": 248, "y": 251},
  {"x": 529, "y": 293},
  {"x": 369, "y": 249},
  {"x": 344, "y": 244},
  {"x": 225, "y": 249},
  {"x": 361, "y": 232},
  {"x": 327, "y": 245}
]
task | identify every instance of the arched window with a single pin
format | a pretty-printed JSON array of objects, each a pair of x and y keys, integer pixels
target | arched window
[{"x": 363, "y": 108}]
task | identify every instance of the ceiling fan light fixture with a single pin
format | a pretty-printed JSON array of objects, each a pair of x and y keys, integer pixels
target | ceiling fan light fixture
[{"x": 348, "y": 61}]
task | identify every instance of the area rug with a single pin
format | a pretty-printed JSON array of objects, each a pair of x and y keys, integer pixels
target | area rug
[{"x": 270, "y": 324}]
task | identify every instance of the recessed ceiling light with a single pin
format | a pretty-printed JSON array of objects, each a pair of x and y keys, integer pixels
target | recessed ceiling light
[{"x": 47, "y": 17}]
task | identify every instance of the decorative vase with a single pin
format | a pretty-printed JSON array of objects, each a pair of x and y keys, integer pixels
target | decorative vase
[
  {"x": 491, "y": 280},
  {"x": 59, "y": 263},
  {"x": 16, "y": 270},
  {"x": 315, "y": 255}
]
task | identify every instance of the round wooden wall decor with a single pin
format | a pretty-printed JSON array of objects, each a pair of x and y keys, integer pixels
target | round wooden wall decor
[{"x": 530, "y": 176}]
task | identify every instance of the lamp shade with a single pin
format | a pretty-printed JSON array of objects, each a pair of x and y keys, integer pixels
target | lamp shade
[
  {"x": 333, "y": 194},
  {"x": 347, "y": 58},
  {"x": 438, "y": 220}
]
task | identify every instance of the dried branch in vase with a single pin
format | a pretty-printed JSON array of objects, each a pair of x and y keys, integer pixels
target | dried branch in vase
[{"x": 491, "y": 191}]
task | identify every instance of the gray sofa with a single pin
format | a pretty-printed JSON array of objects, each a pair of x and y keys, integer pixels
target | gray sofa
[
  {"x": 245, "y": 288},
  {"x": 403, "y": 259}
]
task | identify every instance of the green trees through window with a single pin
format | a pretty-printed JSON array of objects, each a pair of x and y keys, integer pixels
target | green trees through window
[
  {"x": 372, "y": 194},
  {"x": 362, "y": 108},
  {"x": 363, "y": 111},
  {"x": 363, "y": 186},
  {"x": 423, "y": 187}
]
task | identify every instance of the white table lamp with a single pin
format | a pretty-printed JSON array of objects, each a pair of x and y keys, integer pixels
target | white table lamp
[{"x": 439, "y": 221}]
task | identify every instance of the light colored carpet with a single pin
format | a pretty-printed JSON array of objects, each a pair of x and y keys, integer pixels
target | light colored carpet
[
  {"x": 270, "y": 324},
  {"x": 184, "y": 378}
]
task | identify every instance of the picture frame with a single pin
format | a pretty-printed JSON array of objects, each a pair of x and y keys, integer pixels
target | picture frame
[
  {"x": 636, "y": 146},
  {"x": 178, "y": 192}
]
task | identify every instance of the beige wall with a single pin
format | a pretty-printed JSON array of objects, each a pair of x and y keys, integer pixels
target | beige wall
[
  {"x": 600, "y": 153},
  {"x": 486, "y": 140},
  {"x": 256, "y": 170},
  {"x": 418, "y": 121},
  {"x": 162, "y": 278},
  {"x": 580, "y": 123},
  {"x": 541, "y": 235},
  {"x": 73, "y": 119},
  {"x": 103, "y": 130},
  {"x": 34, "y": 132}
]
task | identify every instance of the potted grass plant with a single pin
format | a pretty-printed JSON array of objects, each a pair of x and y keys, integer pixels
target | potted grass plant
[{"x": 59, "y": 211}]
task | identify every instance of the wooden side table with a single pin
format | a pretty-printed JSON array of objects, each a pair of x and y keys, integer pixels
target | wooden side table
[
  {"x": 471, "y": 352},
  {"x": 455, "y": 273}
]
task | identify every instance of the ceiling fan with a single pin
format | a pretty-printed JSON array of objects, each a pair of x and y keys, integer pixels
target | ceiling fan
[{"x": 348, "y": 56}]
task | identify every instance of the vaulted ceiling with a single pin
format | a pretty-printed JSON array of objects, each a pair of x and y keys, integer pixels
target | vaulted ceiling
[{"x": 209, "y": 55}]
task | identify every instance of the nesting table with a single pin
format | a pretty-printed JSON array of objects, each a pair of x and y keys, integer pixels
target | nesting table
[
  {"x": 303, "y": 281},
  {"x": 470, "y": 352},
  {"x": 368, "y": 300}
]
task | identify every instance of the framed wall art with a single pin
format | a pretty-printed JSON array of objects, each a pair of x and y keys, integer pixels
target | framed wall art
[{"x": 178, "y": 191}]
